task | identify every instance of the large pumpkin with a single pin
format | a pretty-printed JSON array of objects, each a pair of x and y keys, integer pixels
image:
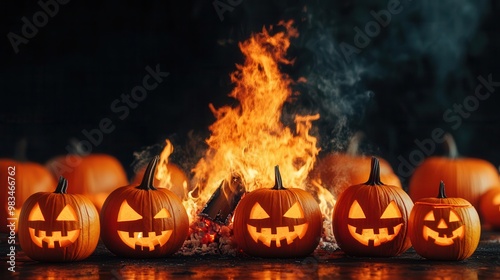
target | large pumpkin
[
  {"x": 21, "y": 179},
  {"x": 58, "y": 226},
  {"x": 444, "y": 228},
  {"x": 277, "y": 222},
  {"x": 337, "y": 171},
  {"x": 143, "y": 221},
  {"x": 371, "y": 219},
  {"x": 93, "y": 175},
  {"x": 175, "y": 179},
  {"x": 489, "y": 208},
  {"x": 467, "y": 178}
]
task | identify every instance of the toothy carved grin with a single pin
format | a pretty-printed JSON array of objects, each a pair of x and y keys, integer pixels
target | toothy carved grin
[
  {"x": 368, "y": 235},
  {"x": 265, "y": 235},
  {"x": 63, "y": 241},
  {"x": 145, "y": 242},
  {"x": 443, "y": 241}
]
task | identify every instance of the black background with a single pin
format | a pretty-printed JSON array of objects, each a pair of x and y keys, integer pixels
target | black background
[{"x": 396, "y": 89}]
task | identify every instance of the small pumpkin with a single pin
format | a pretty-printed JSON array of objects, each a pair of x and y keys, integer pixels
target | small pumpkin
[
  {"x": 444, "y": 228},
  {"x": 337, "y": 171},
  {"x": 175, "y": 180},
  {"x": 489, "y": 208},
  {"x": 371, "y": 219},
  {"x": 93, "y": 175},
  {"x": 277, "y": 222},
  {"x": 467, "y": 178},
  {"x": 58, "y": 227},
  {"x": 143, "y": 221}
]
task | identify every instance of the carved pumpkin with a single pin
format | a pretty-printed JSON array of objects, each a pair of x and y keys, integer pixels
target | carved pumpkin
[
  {"x": 444, "y": 228},
  {"x": 489, "y": 208},
  {"x": 142, "y": 221},
  {"x": 337, "y": 171},
  {"x": 93, "y": 175},
  {"x": 58, "y": 226},
  {"x": 277, "y": 222},
  {"x": 467, "y": 178},
  {"x": 371, "y": 219},
  {"x": 177, "y": 180},
  {"x": 27, "y": 178}
]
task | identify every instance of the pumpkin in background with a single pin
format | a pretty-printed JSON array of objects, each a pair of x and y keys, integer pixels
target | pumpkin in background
[
  {"x": 489, "y": 207},
  {"x": 176, "y": 180},
  {"x": 57, "y": 226},
  {"x": 28, "y": 178},
  {"x": 337, "y": 171},
  {"x": 371, "y": 219},
  {"x": 278, "y": 222},
  {"x": 93, "y": 175},
  {"x": 467, "y": 178},
  {"x": 444, "y": 228},
  {"x": 142, "y": 221}
]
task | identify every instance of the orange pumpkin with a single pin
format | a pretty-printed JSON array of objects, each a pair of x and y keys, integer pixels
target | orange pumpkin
[
  {"x": 489, "y": 207},
  {"x": 93, "y": 175},
  {"x": 467, "y": 178},
  {"x": 337, "y": 171},
  {"x": 277, "y": 222},
  {"x": 58, "y": 226},
  {"x": 177, "y": 181},
  {"x": 143, "y": 221},
  {"x": 371, "y": 219},
  {"x": 25, "y": 179},
  {"x": 444, "y": 228}
]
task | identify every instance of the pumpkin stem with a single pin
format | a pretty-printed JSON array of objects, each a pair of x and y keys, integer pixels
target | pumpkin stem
[
  {"x": 149, "y": 175},
  {"x": 278, "y": 183},
  {"x": 62, "y": 185},
  {"x": 374, "y": 178},
  {"x": 451, "y": 145},
  {"x": 441, "y": 193},
  {"x": 353, "y": 147}
]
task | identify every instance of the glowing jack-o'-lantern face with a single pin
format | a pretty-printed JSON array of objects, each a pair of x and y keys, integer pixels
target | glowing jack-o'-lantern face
[
  {"x": 140, "y": 239},
  {"x": 279, "y": 233},
  {"x": 374, "y": 231},
  {"x": 53, "y": 237},
  {"x": 443, "y": 226}
]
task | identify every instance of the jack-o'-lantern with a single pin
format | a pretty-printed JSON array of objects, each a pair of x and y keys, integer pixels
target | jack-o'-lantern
[
  {"x": 444, "y": 228},
  {"x": 58, "y": 226},
  {"x": 143, "y": 221},
  {"x": 467, "y": 178},
  {"x": 337, "y": 171},
  {"x": 277, "y": 222},
  {"x": 370, "y": 219},
  {"x": 489, "y": 208}
]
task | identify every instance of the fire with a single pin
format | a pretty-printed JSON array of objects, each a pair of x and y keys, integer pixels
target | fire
[{"x": 249, "y": 138}]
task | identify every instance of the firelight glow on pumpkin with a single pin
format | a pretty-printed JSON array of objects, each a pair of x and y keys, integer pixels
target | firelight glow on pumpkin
[{"x": 489, "y": 207}]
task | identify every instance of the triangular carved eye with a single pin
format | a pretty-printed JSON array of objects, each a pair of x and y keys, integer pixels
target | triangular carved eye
[
  {"x": 163, "y": 213},
  {"x": 36, "y": 214},
  {"x": 127, "y": 213},
  {"x": 258, "y": 212},
  {"x": 67, "y": 214},
  {"x": 429, "y": 216},
  {"x": 356, "y": 212},
  {"x": 295, "y": 212},
  {"x": 496, "y": 200},
  {"x": 391, "y": 211},
  {"x": 454, "y": 217}
]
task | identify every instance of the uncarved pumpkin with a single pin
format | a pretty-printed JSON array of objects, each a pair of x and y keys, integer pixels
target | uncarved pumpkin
[
  {"x": 371, "y": 219},
  {"x": 93, "y": 175},
  {"x": 143, "y": 221},
  {"x": 467, "y": 178},
  {"x": 489, "y": 208},
  {"x": 277, "y": 222},
  {"x": 442, "y": 228},
  {"x": 57, "y": 226},
  {"x": 178, "y": 182},
  {"x": 28, "y": 178}
]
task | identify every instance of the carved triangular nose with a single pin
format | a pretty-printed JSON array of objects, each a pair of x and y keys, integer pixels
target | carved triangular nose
[{"x": 442, "y": 224}]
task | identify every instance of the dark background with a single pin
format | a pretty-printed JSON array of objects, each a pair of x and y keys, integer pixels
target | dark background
[{"x": 396, "y": 89}]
